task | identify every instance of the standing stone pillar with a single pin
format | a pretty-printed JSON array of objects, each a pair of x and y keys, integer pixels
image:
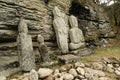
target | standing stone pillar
[
  {"x": 61, "y": 30},
  {"x": 25, "y": 47},
  {"x": 76, "y": 35},
  {"x": 43, "y": 50}
]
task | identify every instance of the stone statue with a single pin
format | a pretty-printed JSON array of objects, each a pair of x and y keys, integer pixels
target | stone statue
[
  {"x": 25, "y": 47},
  {"x": 76, "y": 35},
  {"x": 43, "y": 49},
  {"x": 61, "y": 30}
]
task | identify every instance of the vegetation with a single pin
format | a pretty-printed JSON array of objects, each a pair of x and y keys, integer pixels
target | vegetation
[{"x": 113, "y": 11}]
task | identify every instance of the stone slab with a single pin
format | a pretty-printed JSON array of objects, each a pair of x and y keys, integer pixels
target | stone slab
[{"x": 68, "y": 58}]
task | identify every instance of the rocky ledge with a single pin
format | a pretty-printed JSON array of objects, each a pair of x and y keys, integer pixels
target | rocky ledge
[{"x": 105, "y": 69}]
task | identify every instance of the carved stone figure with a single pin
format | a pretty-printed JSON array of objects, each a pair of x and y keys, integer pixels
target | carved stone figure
[
  {"x": 61, "y": 30},
  {"x": 43, "y": 49},
  {"x": 25, "y": 49},
  {"x": 76, "y": 35}
]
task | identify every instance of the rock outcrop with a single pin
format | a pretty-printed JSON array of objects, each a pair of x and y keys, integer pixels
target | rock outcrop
[{"x": 39, "y": 16}]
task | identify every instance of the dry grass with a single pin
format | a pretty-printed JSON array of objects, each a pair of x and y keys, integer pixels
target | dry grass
[{"x": 112, "y": 51}]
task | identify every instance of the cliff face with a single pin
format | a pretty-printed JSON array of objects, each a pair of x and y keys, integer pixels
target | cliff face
[{"x": 38, "y": 14}]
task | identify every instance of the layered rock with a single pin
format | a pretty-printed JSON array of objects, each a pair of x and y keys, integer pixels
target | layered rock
[{"x": 38, "y": 14}]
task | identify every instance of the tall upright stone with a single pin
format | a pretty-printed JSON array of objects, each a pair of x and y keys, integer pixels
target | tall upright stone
[
  {"x": 76, "y": 35},
  {"x": 43, "y": 50},
  {"x": 61, "y": 30},
  {"x": 25, "y": 47}
]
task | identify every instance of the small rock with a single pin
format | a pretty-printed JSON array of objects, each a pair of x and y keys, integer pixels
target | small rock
[
  {"x": 103, "y": 78},
  {"x": 61, "y": 78},
  {"x": 56, "y": 71},
  {"x": 79, "y": 64},
  {"x": 49, "y": 78},
  {"x": 117, "y": 72},
  {"x": 80, "y": 71},
  {"x": 98, "y": 73},
  {"x": 13, "y": 79},
  {"x": 81, "y": 77},
  {"x": 33, "y": 75},
  {"x": 110, "y": 65},
  {"x": 116, "y": 65},
  {"x": 63, "y": 69},
  {"x": 87, "y": 65},
  {"x": 25, "y": 78},
  {"x": 68, "y": 76},
  {"x": 77, "y": 79},
  {"x": 109, "y": 69},
  {"x": 44, "y": 72},
  {"x": 118, "y": 69},
  {"x": 97, "y": 66},
  {"x": 87, "y": 75},
  {"x": 84, "y": 79},
  {"x": 73, "y": 72}
]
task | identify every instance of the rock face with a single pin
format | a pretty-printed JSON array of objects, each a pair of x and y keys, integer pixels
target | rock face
[
  {"x": 39, "y": 16},
  {"x": 26, "y": 56},
  {"x": 61, "y": 30}
]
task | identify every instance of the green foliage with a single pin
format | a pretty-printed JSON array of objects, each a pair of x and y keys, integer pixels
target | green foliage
[{"x": 113, "y": 12}]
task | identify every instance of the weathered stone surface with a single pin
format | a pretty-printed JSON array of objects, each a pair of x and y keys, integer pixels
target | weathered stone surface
[
  {"x": 73, "y": 72},
  {"x": 80, "y": 71},
  {"x": 68, "y": 58},
  {"x": 61, "y": 30},
  {"x": 79, "y": 64},
  {"x": 2, "y": 78},
  {"x": 95, "y": 72},
  {"x": 33, "y": 75},
  {"x": 67, "y": 76},
  {"x": 22, "y": 27},
  {"x": 117, "y": 72},
  {"x": 76, "y": 35},
  {"x": 84, "y": 51},
  {"x": 38, "y": 16},
  {"x": 25, "y": 48},
  {"x": 103, "y": 78},
  {"x": 44, "y": 72},
  {"x": 6, "y": 34},
  {"x": 97, "y": 65},
  {"x": 26, "y": 56},
  {"x": 43, "y": 50}
]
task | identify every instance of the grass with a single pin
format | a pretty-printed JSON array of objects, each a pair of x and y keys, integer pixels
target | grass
[{"x": 113, "y": 50}]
